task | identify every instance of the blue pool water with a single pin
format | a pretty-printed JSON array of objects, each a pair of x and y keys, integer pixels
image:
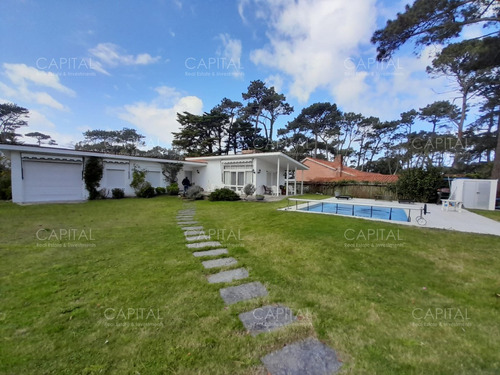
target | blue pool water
[{"x": 376, "y": 212}]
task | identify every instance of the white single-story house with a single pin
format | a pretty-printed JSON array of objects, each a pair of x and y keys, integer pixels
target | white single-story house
[
  {"x": 47, "y": 174},
  {"x": 266, "y": 171}
]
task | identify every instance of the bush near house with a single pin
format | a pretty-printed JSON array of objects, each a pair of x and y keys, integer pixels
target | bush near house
[
  {"x": 194, "y": 192},
  {"x": 142, "y": 188},
  {"x": 92, "y": 176},
  {"x": 146, "y": 191},
  {"x": 249, "y": 189},
  {"x": 223, "y": 195},
  {"x": 5, "y": 187},
  {"x": 160, "y": 190},
  {"x": 118, "y": 193},
  {"x": 173, "y": 189}
]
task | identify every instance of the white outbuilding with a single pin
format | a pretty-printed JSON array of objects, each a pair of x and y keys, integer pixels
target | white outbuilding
[{"x": 474, "y": 194}]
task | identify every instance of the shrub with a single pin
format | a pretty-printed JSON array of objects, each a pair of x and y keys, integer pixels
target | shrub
[
  {"x": 92, "y": 176},
  {"x": 249, "y": 189},
  {"x": 118, "y": 193},
  {"x": 142, "y": 188},
  {"x": 194, "y": 192},
  {"x": 160, "y": 190},
  {"x": 5, "y": 187},
  {"x": 173, "y": 189},
  {"x": 138, "y": 179},
  {"x": 146, "y": 191},
  {"x": 224, "y": 195},
  {"x": 418, "y": 184}
]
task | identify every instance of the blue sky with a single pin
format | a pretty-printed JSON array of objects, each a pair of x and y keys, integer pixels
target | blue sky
[{"x": 79, "y": 65}]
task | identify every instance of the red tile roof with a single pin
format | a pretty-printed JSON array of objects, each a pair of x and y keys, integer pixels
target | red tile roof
[{"x": 328, "y": 171}]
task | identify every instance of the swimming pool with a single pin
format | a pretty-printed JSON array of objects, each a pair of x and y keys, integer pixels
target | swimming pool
[{"x": 375, "y": 212}]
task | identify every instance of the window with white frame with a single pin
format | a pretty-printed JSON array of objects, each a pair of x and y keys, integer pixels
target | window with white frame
[{"x": 237, "y": 174}]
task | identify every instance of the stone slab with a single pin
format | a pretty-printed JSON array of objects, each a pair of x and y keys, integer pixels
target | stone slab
[
  {"x": 243, "y": 292},
  {"x": 201, "y": 245},
  {"x": 222, "y": 262},
  {"x": 197, "y": 238},
  {"x": 267, "y": 318},
  {"x": 228, "y": 276},
  {"x": 210, "y": 253},
  {"x": 181, "y": 223},
  {"x": 187, "y": 211},
  {"x": 309, "y": 356},
  {"x": 194, "y": 233},
  {"x": 184, "y": 218},
  {"x": 199, "y": 227}
]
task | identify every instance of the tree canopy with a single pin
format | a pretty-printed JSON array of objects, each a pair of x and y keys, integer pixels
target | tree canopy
[
  {"x": 437, "y": 21},
  {"x": 12, "y": 117}
]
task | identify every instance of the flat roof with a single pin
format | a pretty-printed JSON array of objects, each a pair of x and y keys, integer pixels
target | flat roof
[
  {"x": 64, "y": 151},
  {"x": 270, "y": 156}
]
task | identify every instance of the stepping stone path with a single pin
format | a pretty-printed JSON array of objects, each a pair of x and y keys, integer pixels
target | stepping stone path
[
  {"x": 266, "y": 319},
  {"x": 243, "y": 292},
  {"x": 308, "y": 356},
  {"x": 228, "y": 276},
  {"x": 192, "y": 228},
  {"x": 201, "y": 245},
  {"x": 210, "y": 253},
  {"x": 221, "y": 262},
  {"x": 198, "y": 238},
  {"x": 194, "y": 233}
]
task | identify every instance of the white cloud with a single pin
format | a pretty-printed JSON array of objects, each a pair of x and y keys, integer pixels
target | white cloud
[
  {"x": 310, "y": 39},
  {"x": 231, "y": 53},
  {"x": 276, "y": 81},
  {"x": 22, "y": 79},
  {"x": 39, "y": 123},
  {"x": 241, "y": 9},
  {"x": 388, "y": 89},
  {"x": 158, "y": 119},
  {"x": 20, "y": 74},
  {"x": 111, "y": 55}
]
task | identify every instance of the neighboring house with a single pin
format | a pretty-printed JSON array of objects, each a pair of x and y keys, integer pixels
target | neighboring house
[
  {"x": 328, "y": 171},
  {"x": 46, "y": 174},
  {"x": 270, "y": 170}
]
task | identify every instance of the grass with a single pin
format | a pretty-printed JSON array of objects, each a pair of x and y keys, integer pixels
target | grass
[
  {"x": 65, "y": 310},
  {"x": 494, "y": 215}
]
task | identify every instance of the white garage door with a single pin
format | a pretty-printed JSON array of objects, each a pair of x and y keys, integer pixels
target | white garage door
[{"x": 52, "y": 181}]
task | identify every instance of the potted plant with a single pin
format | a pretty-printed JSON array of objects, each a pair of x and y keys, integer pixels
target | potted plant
[{"x": 259, "y": 197}]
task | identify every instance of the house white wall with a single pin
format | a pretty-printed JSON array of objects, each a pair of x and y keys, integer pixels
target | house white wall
[{"x": 43, "y": 174}]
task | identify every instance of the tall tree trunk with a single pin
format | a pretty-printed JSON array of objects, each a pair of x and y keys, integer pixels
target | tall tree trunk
[
  {"x": 495, "y": 173},
  {"x": 460, "y": 125}
]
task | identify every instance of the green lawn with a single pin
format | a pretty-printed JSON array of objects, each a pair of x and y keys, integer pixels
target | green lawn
[
  {"x": 129, "y": 298},
  {"x": 494, "y": 215}
]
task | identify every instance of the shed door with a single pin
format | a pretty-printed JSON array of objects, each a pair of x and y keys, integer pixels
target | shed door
[
  {"x": 477, "y": 194},
  {"x": 52, "y": 181}
]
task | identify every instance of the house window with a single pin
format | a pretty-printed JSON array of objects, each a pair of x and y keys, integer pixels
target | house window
[{"x": 237, "y": 175}]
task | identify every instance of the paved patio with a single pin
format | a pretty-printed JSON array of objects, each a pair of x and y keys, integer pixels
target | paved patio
[{"x": 465, "y": 221}]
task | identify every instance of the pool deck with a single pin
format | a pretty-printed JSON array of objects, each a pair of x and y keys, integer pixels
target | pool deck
[{"x": 464, "y": 221}]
